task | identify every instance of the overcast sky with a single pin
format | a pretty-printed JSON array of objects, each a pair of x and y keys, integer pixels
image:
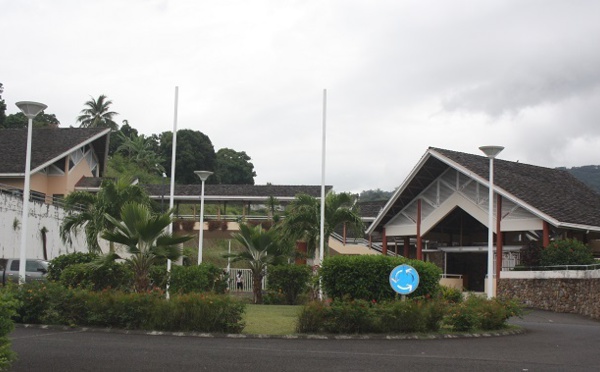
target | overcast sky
[{"x": 400, "y": 76}]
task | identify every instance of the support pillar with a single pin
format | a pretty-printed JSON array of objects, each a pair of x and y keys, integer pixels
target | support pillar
[
  {"x": 384, "y": 243},
  {"x": 406, "y": 246},
  {"x": 419, "y": 240},
  {"x": 344, "y": 234},
  {"x": 498, "y": 239},
  {"x": 302, "y": 251},
  {"x": 545, "y": 234}
]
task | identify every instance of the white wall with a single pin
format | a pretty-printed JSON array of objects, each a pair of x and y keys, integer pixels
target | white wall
[{"x": 41, "y": 215}]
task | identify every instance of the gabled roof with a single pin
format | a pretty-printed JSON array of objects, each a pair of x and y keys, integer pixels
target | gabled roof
[
  {"x": 47, "y": 146},
  {"x": 553, "y": 195}
]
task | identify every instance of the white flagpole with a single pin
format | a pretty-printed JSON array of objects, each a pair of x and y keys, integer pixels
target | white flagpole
[
  {"x": 172, "y": 189},
  {"x": 322, "y": 232}
]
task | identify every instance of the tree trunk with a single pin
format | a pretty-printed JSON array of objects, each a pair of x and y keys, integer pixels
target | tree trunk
[{"x": 257, "y": 288}]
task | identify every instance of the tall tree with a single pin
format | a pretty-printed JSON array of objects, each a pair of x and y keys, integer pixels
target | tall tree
[
  {"x": 116, "y": 140},
  {"x": 140, "y": 151},
  {"x": 96, "y": 113},
  {"x": 195, "y": 151},
  {"x": 88, "y": 211},
  {"x": 303, "y": 218},
  {"x": 234, "y": 168},
  {"x": 262, "y": 248},
  {"x": 146, "y": 239},
  {"x": 42, "y": 120}
]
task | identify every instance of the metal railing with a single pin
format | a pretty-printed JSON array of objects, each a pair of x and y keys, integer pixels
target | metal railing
[
  {"x": 558, "y": 268},
  {"x": 246, "y": 280}
]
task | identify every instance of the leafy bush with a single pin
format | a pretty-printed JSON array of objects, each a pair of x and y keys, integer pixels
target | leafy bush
[
  {"x": 367, "y": 277},
  {"x": 531, "y": 254},
  {"x": 480, "y": 313},
  {"x": 58, "y": 264},
  {"x": 8, "y": 306},
  {"x": 199, "y": 313},
  {"x": 566, "y": 252},
  {"x": 409, "y": 316},
  {"x": 289, "y": 280},
  {"x": 205, "y": 277},
  {"x": 96, "y": 278},
  {"x": 51, "y": 303},
  {"x": 450, "y": 294}
]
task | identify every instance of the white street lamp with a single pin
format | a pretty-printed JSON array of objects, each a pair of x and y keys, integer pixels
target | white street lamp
[
  {"x": 30, "y": 110},
  {"x": 491, "y": 152},
  {"x": 203, "y": 177}
]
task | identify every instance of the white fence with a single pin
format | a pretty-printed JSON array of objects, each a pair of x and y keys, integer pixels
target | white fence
[{"x": 246, "y": 280}]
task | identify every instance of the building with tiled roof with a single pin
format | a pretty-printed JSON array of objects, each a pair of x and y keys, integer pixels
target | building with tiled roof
[
  {"x": 440, "y": 212},
  {"x": 60, "y": 157}
]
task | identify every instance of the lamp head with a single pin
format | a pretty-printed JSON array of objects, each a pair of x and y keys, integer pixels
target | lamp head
[
  {"x": 491, "y": 151},
  {"x": 30, "y": 109},
  {"x": 203, "y": 175}
]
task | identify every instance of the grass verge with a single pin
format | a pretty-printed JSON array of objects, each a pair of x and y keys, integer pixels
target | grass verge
[{"x": 271, "y": 319}]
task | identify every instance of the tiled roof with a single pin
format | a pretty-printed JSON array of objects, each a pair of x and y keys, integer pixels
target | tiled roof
[
  {"x": 370, "y": 209},
  {"x": 47, "y": 144},
  {"x": 240, "y": 191},
  {"x": 554, "y": 192}
]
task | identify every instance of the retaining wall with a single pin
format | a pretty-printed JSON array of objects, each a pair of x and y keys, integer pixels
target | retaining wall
[{"x": 565, "y": 291}]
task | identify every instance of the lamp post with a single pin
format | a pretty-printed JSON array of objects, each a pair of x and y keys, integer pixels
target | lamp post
[
  {"x": 162, "y": 196},
  {"x": 30, "y": 110},
  {"x": 203, "y": 177},
  {"x": 491, "y": 152}
]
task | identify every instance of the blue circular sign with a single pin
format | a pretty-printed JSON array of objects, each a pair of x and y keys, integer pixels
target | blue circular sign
[{"x": 404, "y": 279}]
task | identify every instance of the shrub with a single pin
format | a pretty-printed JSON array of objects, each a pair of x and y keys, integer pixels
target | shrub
[
  {"x": 480, "y": 313},
  {"x": 199, "y": 313},
  {"x": 349, "y": 317},
  {"x": 408, "y": 316},
  {"x": 289, "y": 280},
  {"x": 310, "y": 319},
  {"x": 531, "y": 254},
  {"x": 566, "y": 252},
  {"x": 401, "y": 317},
  {"x": 8, "y": 307},
  {"x": 450, "y": 294},
  {"x": 96, "y": 278},
  {"x": 57, "y": 265},
  {"x": 205, "y": 277},
  {"x": 367, "y": 277},
  {"x": 55, "y": 304}
]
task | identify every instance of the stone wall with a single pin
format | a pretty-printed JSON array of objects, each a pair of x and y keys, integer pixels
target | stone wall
[{"x": 580, "y": 296}]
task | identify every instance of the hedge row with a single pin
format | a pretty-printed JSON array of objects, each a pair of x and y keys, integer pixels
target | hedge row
[
  {"x": 410, "y": 316},
  {"x": 367, "y": 277},
  {"x": 52, "y": 303}
]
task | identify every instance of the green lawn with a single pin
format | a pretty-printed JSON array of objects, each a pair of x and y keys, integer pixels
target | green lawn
[{"x": 271, "y": 319}]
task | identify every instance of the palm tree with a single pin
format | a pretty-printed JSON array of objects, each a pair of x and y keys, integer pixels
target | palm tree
[
  {"x": 303, "y": 218},
  {"x": 146, "y": 239},
  {"x": 97, "y": 114},
  {"x": 88, "y": 210},
  {"x": 262, "y": 248},
  {"x": 139, "y": 150}
]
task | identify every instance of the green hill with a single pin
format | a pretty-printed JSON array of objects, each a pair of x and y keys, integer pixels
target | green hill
[{"x": 588, "y": 174}]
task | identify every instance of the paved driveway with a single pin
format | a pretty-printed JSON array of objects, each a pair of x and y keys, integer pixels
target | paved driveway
[{"x": 553, "y": 342}]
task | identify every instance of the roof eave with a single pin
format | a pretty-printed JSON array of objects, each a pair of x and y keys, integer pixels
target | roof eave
[{"x": 398, "y": 192}]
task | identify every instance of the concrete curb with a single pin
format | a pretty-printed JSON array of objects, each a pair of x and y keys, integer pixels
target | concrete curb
[{"x": 408, "y": 336}]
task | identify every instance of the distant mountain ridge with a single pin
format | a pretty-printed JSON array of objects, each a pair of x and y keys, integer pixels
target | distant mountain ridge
[{"x": 588, "y": 174}]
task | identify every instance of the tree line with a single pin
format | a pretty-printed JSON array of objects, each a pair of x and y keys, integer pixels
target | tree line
[{"x": 148, "y": 158}]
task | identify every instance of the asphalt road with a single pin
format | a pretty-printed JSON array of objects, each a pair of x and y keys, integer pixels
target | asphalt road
[{"x": 553, "y": 342}]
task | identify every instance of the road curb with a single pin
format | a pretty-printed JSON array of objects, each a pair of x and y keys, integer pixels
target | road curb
[{"x": 409, "y": 336}]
